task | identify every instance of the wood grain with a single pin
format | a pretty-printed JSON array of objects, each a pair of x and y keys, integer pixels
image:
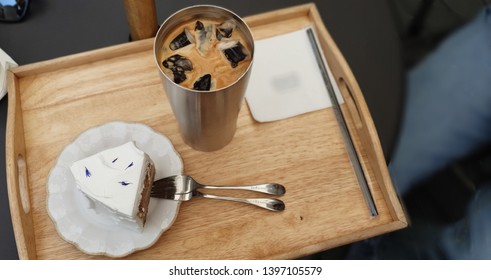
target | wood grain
[{"x": 52, "y": 102}]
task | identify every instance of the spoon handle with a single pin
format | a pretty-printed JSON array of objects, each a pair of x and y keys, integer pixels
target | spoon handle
[
  {"x": 273, "y": 188},
  {"x": 272, "y": 204}
]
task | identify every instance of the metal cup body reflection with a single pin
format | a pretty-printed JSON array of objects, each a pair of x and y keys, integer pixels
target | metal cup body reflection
[{"x": 207, "y": 119}]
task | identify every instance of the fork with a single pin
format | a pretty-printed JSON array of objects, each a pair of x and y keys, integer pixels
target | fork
[
  {"x": 272, "y": 204},
  {"x": 186, "y": 184},
  {"x": 184, "y": 188}
]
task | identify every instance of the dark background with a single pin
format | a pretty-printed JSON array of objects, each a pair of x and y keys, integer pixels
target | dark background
[{"x": 379, "y": 39}]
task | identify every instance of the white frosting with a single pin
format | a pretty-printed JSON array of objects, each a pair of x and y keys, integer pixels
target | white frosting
[{"x": 114, "y": 178}]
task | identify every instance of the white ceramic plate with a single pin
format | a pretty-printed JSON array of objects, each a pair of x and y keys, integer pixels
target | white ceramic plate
[{"x": 89, "y": 227}]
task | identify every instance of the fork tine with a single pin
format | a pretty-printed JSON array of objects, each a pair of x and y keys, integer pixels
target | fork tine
[
  {"x": 174, "y": 196},
  {"x": 169, "y": 186},
  {"x": 173, "y": 187},
  {"x": 163, "y": 186}
]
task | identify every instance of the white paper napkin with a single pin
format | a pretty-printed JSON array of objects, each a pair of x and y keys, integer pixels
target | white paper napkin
[
  {"x": 6, "y": 62},
  {"x": 285, "y": 79}
]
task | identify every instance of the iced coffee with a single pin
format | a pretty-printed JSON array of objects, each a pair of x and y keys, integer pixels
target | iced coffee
[{"x": 205, "y": 54}]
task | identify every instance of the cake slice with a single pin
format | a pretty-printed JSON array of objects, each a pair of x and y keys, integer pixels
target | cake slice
[{"x": 120, "y": 179}]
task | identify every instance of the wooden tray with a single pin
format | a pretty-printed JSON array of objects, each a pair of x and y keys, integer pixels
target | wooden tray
[{"x": 52, "y": 102}]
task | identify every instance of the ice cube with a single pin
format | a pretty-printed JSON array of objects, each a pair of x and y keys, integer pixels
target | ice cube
[
  {"x": 178, "y": 61},
  {"x": 199, "y": 26},
  {"x": 225, "y": 29},
  {"x": 203, "y": 83},
  {"x": 178, "y": 64},
  {"x": 179, "y": 76},
  {"x": 234, "y": 51},
  {"x": 183, "y": 39},
  {"x": 203, "y": 40}
]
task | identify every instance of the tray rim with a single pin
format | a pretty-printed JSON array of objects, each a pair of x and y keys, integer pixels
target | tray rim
[{"x": 15, "y": 145}]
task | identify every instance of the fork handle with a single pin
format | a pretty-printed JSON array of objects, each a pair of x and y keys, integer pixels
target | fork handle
[
  {"x": 272, "y": 204},
  {"x": 272, "y": 188}
]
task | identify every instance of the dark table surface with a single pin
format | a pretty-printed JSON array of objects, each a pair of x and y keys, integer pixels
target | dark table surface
[{"x": 363, "y": 30}]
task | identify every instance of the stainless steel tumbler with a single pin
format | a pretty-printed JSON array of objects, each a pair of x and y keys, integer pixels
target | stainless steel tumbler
[{"x": 207, "y": 119}]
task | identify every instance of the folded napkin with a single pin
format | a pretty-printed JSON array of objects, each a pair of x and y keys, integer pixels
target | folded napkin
[
  {"x": 286, "y": 80},
  {"x": 6, "y": 62}
]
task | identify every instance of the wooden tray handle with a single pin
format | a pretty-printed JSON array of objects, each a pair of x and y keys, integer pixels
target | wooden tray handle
[
  {"x": 142, "y": 18},
  {"x": 351, "y": 102},
  {"x": 23, "y": 186},
  {"x": 17, "y": 179}
]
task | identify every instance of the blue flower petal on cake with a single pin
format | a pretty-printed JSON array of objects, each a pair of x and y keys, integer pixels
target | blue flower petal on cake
[
  {"x": 131, "y": 164},
  {"x": 87, "y": 172}
]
